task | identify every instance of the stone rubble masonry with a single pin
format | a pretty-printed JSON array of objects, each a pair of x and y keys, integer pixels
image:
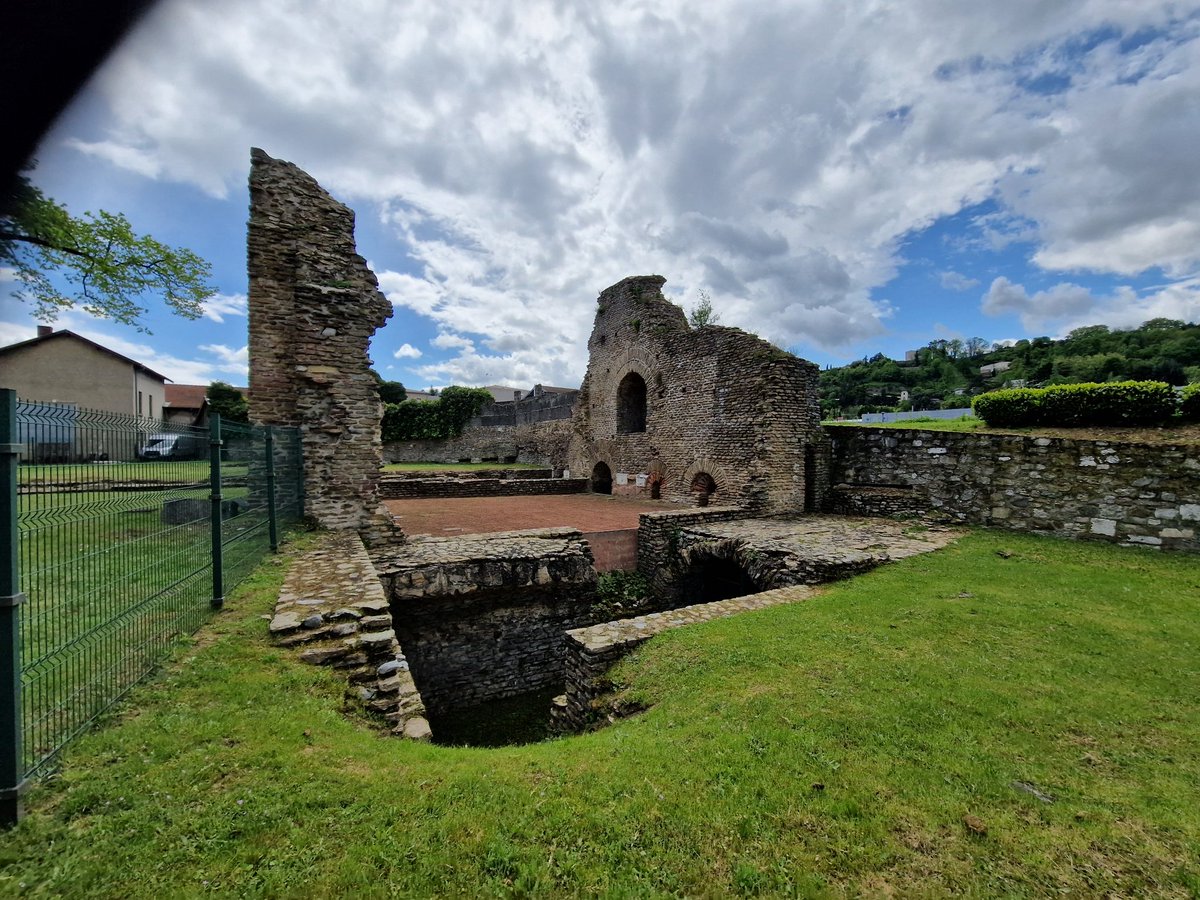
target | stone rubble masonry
[
  {"x": 391, "y": 488},
  {"x": 719, "y": 401},
  {"x": 1120, "y": 492},
  {"x": 314, "y": 305},
  {"x": 333, "y": 611},
  {"x": 544, "y": 443},
  {"x": 481, "y": 617},
  {"x": 592, "y": 651}
]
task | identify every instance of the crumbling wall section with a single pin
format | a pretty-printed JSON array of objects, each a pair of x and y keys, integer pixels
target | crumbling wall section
[
  {"x": 718, "y": 402},
  {"x": 314, "y": 305}
]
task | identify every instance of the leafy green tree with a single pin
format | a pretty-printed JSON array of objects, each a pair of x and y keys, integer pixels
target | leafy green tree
[
  {"x": 108, "y": 266},
  {"x": 702, "y": 313},
  {"x": 227, "y": 401},
  {"x": 389, "y": 391}
]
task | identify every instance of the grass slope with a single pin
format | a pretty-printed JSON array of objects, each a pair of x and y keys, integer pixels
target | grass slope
[{"x": 887, "y": 735}]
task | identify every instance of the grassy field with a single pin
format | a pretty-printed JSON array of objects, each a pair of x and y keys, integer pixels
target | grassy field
[
  {"x": 434, "y": 467},
  {"x": 1010, "y": 716}
]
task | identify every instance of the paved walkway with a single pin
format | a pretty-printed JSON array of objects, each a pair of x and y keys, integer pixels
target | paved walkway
[{"x": 485, "y": 515}]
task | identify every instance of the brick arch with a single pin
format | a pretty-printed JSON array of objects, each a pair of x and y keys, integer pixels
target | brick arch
[
  {"x": 762, "y": 571},
  {"x": 705, "y": 465}
]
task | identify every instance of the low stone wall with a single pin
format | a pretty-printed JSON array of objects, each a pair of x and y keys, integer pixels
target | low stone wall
[
  {"x": 333, "y": 610},
  {"x": 543, "y": 443},
  {"x": 592, "y": 651},
  {"x": 482, "y": 618},
  {"x": 511, "y": 474},
  {"x": 411, "y": 488},
  {"x": 1124, "y": 493},
  {"x": 872, "y": 500},
  {"x": 658, "y": 534}
]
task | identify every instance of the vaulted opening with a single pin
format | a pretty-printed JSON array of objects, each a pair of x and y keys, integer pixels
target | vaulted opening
[
  {"x": 601, "y": 482},
  {"x": 713, "y": 578},
  {"x": 631, "y": 404}
]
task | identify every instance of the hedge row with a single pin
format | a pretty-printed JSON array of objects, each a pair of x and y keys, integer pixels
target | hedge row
[
  {"x": 1120, "y": 403},
  {"x": 1189, "y": 403},
  {"x": 433, "y": 419}
]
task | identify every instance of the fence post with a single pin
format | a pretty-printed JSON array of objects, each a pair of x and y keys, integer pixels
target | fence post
[
  {"x": 12, "y": 770},
  {"x": 214, "y": 477},
  {"x": 272, "y": 523}
]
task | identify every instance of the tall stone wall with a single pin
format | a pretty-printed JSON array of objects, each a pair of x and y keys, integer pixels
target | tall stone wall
[
  {"x": 1125, "y": 493},
  {"x": 717, "y": 401},
  {"x": 544, "y": 443},
  {"x": 314, "y": 305}
]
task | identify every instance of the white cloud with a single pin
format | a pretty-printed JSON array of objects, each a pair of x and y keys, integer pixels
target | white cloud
[
  {"x": 956, "y": 281},
  {"x": 218, "y": 306},
  {"x": 407, "y": 351},
  {"x": 1067, "y": 306},
  {"x": 528, "y": 155},
  {"x": 446, "y": 341}
]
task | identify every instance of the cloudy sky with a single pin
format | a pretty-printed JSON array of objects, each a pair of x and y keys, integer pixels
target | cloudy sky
[{"x": 843, "y": 178}]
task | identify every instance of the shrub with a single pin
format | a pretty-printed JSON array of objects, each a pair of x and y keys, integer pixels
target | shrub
[
  {"x": 1009, "y": 407},
  {"x": 1120, "y": 403},
  {"x": 1189, "y": 407},
  {"x": 442, "y": 418}
]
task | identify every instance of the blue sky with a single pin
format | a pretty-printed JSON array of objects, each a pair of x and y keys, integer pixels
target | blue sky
[{"x": 841, "y": 178}]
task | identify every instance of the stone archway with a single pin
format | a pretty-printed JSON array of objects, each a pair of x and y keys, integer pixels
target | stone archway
[{"x": 601, "y": 480}]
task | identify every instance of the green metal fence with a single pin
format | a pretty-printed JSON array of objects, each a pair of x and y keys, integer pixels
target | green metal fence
[{"x": 118, "y": 534}]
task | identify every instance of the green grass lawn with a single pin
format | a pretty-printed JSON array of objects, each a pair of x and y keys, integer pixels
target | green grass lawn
[
  {"x": 888, "y": 735},
  {"x": 435, "y": 467},
  {"x": 149, "y": 471}
]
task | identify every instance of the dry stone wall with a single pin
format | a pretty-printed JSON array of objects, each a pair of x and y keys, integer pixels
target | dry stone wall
[
  {"x": 314, "y": 305},
  {"x": 543, "y": 443},
  {"x": 1125, "y": 493},
  {"x": 664, "y": 404}
]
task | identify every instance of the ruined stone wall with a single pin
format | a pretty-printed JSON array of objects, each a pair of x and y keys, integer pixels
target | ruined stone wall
[
  {"x": 543, "y": 443},
  {"x": 530, "y": 410},
  {"x": 314, "y": 305},
  {"x": 1125, "y": 493},
  {"x": 718, "y": 401}
]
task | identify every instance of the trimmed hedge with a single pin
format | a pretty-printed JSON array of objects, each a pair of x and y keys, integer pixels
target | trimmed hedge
[
  {"x": 1118, "y": 403},
  {"x": 433, "y": 419},
  {"x": 1189, "y": 406}
]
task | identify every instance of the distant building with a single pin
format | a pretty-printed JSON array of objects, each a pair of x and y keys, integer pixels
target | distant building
[
  {"x": 187, "y": 404},
  {"x": 993, "y": 369},
  {"x": 64, "y": 367}
]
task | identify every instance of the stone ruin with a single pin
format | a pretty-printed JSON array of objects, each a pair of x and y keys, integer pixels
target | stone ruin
[
  {"x": 707, "y": 413},
  {"x": 314, "y": 305}
]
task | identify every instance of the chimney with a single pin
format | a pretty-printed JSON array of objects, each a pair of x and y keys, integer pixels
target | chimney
[{"x": 45, "y": 330}]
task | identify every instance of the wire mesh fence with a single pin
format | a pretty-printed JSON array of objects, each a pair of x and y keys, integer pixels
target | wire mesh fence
[{"x": 128, "y": 532}]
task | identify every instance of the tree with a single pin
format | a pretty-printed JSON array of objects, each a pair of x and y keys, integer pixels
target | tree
[
  {"x": 389, "y": 391},
  {"x": 108, "y": 265},
  {"x": 702, "y": 313},
  {"x": 228, "y": 402}
]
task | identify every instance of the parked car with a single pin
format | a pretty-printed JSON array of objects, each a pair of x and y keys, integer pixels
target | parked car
[{"x": 170, "y": 446}]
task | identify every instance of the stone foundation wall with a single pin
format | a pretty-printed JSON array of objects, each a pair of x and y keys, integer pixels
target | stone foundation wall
[
  {"x": 544, "y": 443},
  {"x": 410, "y": 488},
  {"x": 659, "y": 533},
  {"x": 332, "y": 610},
  {"x": 482, "y": 618},
  {"x": 1124, "y": 493}
]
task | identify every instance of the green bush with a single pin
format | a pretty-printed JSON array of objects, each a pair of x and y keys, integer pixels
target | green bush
[
  {"x": 1073, "y": 405},
  {"x": 433, "y": 419},
  {"x": 1189, "y": 407},
  {"x": 1009, "y": 407}
]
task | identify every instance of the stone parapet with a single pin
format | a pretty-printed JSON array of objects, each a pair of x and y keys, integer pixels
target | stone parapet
[
  {"x": 333, "y": 612},
  {"x": 592, "y": 651},
  {"x": 1120, "y": 492}
]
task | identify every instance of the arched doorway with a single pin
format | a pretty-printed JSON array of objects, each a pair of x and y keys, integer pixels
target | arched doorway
[
  {"x": 601, "y": 482},
  {"x": 631, "y": 404},
  {"x": 703, "y": 486}
]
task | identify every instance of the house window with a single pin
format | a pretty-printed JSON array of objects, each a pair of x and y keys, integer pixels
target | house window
[
  {"x": 139, "y": 403},
  {"x": 631, "y": 404}
]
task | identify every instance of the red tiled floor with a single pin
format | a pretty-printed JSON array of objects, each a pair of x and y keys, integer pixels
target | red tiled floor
[{"x": 482, "y": 515}]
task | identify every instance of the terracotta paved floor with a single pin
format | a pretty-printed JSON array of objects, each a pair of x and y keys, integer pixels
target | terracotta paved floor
[{"x": 482, "y": 515}]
